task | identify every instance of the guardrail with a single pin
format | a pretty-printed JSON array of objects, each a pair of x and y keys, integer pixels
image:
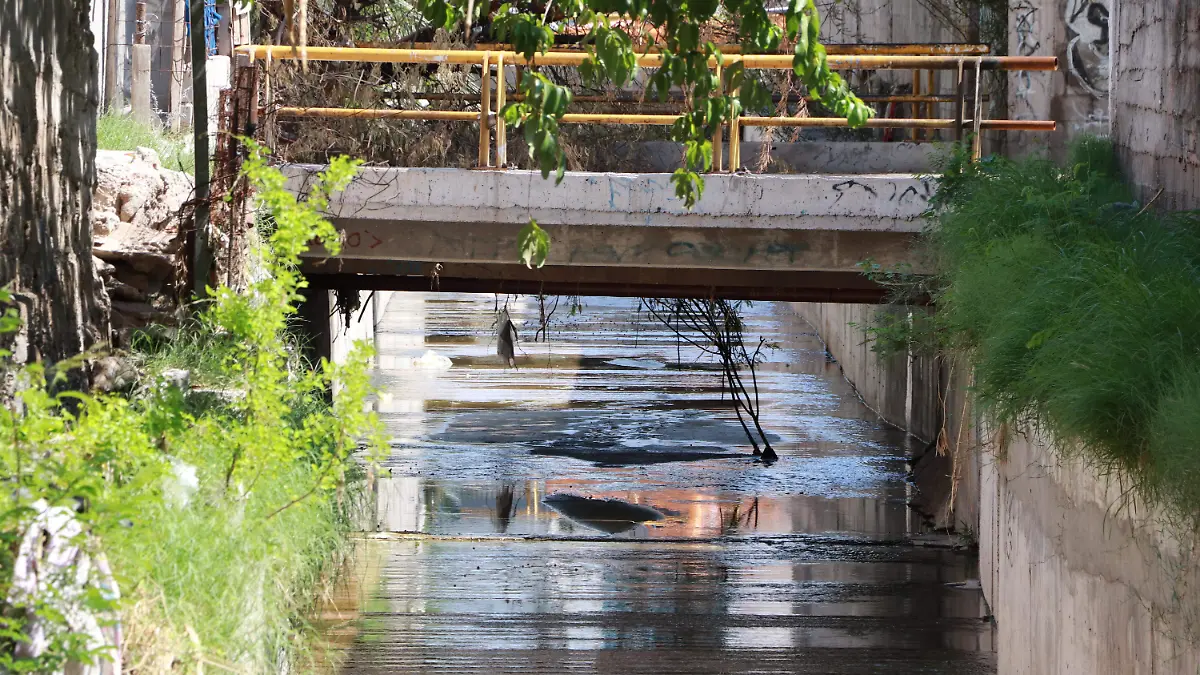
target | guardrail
[{"x": 963, "y": 61}]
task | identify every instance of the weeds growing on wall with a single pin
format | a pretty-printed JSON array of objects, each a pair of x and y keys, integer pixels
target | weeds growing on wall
[
  {"x": 1079, "y": 308},
  {"x": 218, "y": 512}
]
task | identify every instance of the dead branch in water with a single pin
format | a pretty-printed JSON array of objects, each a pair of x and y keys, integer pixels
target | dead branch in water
[{"x": 714, "y": 327}]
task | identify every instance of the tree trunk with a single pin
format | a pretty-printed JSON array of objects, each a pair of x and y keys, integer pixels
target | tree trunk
[{"x": 48, "y": 102}]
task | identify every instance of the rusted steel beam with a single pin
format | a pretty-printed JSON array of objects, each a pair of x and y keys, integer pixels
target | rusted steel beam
[
  {"x": 380, "y": 114},
  {"x": 750, "y": 61},
  {"x": 623, "y": 98},
  {"x": 918, "y": 49}
]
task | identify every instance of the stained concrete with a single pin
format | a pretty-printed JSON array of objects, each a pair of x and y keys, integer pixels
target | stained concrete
[
  {"x": 468, "y": 221},
  {"x": 1080, "y": 579}
]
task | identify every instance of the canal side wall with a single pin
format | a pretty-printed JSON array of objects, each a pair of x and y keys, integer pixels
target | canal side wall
[
  {"x": 905, "y": 391},
  {"x": 1078, "y": 579}
]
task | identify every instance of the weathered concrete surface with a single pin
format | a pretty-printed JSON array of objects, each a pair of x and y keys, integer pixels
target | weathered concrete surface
[
  {"x": 923, "y": 395},
  {"x": 48, "y": 100},
  {"x": 628, "y": 223},
  {"x": 1155, "y": 90},
  {"x": 816, "y": 157},
  {"x": 1076, "y": 95},
  {"x": 1079, "y": 580}
]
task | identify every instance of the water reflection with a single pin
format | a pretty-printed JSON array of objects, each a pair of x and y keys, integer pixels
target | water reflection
[{"x": 597, "y": 509}]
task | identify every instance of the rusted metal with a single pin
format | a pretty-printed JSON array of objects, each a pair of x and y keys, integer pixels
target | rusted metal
[
  {"x": 485, "y": 104},
  {"x": 661, "y": 120},
  {"x": 749, "y": 61},
  {"x": 379, "y": 114},
  {"x": 948, "y": 49},
  {"x": 501, "y": 129},
  {"x": 139, "y": 24},
  {"x": 626, "y": 98}
]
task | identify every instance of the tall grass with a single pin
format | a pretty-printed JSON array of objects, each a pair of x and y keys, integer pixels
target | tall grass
[
  {"x": 1079, "y": 308},
  {"x": 115, "y": 131}
]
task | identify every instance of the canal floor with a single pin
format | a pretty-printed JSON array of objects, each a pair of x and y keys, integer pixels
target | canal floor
[{"x": 498, "y": 544}]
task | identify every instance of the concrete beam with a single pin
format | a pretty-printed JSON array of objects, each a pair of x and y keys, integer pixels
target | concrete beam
[
  {"x": 747, "y": 222},
  {"x": 516, "y": 279}
]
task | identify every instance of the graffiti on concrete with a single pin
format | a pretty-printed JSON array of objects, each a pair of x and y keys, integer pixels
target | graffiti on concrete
[
  {"x": 1025, "y": 27},
  {"x": 1087, "y": 52}
]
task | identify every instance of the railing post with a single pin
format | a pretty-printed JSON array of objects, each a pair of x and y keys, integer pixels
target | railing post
[
  {"x": 915, "y": 109},
  {"x": 485, "y": 107},
  {"x": 977, "y": 142},
  {"x": 960, "y": 97},
  {"x": 501, "y": 129},
  {"x": 718, "y": 137},
  {"x": 735, "y": 139}
]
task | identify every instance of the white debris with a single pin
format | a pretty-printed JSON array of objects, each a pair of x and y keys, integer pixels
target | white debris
[{"x": 55, "y": 566}]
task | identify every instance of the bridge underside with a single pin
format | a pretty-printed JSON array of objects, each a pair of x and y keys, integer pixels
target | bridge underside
[
  {"x": 646, "y": 282},
  {"x": 782, "y": 237}
]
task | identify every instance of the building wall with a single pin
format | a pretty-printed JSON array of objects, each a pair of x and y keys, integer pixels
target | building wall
[
  {"x": 1156, "y": 98},
  {"x": 1076, "y": 95},
  {"x": 49, "y": 93}
]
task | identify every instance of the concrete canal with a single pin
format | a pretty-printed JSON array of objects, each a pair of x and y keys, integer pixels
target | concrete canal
[{"x": 596, "y": 509}]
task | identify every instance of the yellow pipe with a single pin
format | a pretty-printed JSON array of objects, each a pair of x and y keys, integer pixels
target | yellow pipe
[
  {"x": 752, "y": 61},
  {"x": 485, "y": 105},
  {"x": 956, "y": 49},
  {"x": 594, "y": 118},
  {"x": 381, "y": 114}
]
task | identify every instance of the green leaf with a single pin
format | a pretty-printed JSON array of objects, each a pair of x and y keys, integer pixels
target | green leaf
[{"x": 534, "y": 245}]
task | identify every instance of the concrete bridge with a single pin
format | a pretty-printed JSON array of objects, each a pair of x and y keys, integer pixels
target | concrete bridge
[{"x": 756, "y": 237}]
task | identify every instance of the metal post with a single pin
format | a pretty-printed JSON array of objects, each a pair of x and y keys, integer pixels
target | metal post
[
  {"x": 177, "y": 66},
  {"x": 111, "y": 97},
  {"x": 201, "y": 253},
  {"x": 485, "y": 106},
  {"x": 501, "y": 129},
  {"x": 718, "y": 137},
  {"x": 977, "y": 142},
  {"x": 961, "y": 89}
]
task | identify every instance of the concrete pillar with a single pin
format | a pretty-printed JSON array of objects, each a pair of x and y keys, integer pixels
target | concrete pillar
[{"x": 139, "y": 90}]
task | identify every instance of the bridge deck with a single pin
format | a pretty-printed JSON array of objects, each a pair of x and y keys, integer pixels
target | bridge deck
[{"x": 797, "y": 237}]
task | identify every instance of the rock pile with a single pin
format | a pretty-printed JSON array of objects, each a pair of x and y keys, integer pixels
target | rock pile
[{"x": 137, "y": 209}]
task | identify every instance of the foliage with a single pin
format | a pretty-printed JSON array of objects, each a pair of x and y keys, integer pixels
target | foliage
[
  {"x": 115, "y": 131},
  {"x": 1079, "y": 309},
  {"x": 217, "y": 571},
  {"x": 534, "y": 245},
  {"x": 685, "y": 66}
]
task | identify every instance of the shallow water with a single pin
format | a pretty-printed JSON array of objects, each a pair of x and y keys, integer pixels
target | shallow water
[{"x": 709, "y": 561}]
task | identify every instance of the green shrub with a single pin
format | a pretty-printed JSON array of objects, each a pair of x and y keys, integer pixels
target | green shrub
[
  {"x": 1078, "y": 308},
  {"x": 224, "y": 576}
]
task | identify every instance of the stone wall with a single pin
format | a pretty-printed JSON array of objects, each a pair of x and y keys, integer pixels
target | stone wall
[
  {"x": 1080, "y": 581},
  {"x": 49, "y": 94},
  {"x": 1156, "y": 98}
]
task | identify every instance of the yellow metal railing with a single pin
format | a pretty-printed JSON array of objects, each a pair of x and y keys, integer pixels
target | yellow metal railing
[{"x": 964, "y": 61}]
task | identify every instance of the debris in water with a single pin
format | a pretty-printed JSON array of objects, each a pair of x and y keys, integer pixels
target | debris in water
[
  {"x": 506, "y": 338},
  {"x": 607, "y": 515}
]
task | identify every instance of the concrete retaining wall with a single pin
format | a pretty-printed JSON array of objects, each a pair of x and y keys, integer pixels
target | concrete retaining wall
[
  {"x": 904, "y": 391},
  {"x": 1156, "y": 87},
  {"x": 1079, "y": 581}
]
